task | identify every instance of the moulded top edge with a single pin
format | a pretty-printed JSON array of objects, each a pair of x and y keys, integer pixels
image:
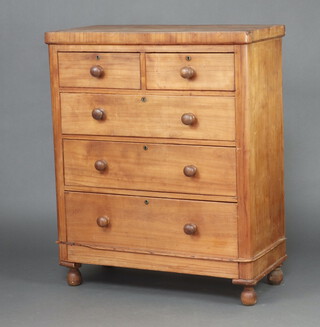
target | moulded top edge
[{"x": 165, "y": 34}]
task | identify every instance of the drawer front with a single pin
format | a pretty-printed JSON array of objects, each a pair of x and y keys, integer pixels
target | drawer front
[
  {"x": 151, "y": 116},
  {"x": 100, "y": 70},
  {"x": 202, "y": 72},
  {"x": 128, "y": 222},
  {"x": 153, "y": 167}
]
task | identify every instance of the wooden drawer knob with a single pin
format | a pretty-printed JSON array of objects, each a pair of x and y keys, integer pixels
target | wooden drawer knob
[
  {"x": 98, "y": 114},
  {"x": 100, "y": 165},
  {"x": 103, "y": 221},
  {"x": 96, "y": 71},
  {"x": 190, "y": 171},
  {"x": 187, "y": 72},
  {"x": 190, "y": 229},
  {"x": 188, "y": 119}
]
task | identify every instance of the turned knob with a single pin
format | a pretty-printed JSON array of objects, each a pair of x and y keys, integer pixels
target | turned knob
[
  {"x": 103, "y": 221},
  {"x": 96, "y": 71},
  {"x": 190, "y": 171},
  {"x": 187, "y": 72},
  {"x": 190, "y": 229},
  {"x": 188, "y": 119},
  {"x": 98, "y": 114},
  {"x": 100, "y": 165}
]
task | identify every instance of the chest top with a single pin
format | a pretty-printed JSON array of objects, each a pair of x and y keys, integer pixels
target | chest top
[{"x": 165, "y": 34}]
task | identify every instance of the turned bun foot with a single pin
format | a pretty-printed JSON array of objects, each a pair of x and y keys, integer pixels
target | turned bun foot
[
  {"x": 248, "y": 296},
  {"x": 74, "y": 277},
  {"x": 275, "y": 277}
]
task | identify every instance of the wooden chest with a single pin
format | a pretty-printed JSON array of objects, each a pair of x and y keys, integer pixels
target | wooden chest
[{"x": 169, "y": 149}]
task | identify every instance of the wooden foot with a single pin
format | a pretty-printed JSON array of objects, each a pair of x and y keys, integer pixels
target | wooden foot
[
  {"x": 275, "y": 277},
  {"x": 74, "y": 277},
  {"x": 248, "y": 296}
]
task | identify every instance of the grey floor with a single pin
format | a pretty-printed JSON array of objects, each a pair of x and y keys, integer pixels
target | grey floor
[{"x": 33, "y": 291}]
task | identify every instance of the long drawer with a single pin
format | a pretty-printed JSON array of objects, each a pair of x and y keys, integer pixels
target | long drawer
[
  {"x": 190, "y": 117},
  {"x": 153, "y": 167},
  {"x": 189, "y": 228}
]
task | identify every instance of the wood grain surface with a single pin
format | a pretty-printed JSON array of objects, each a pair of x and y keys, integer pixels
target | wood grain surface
[
  {"x": 121, "y": 70},
  {"x": 156, "y": 167},
  {"x": 212, "y": 71},
  {"x": 152, "y": 224},
  {"x": 156, "y": 116},
  {"x": 165, "y": 34},
  {"x": 166, "y": 195},
  {"x": 58, "y": 152},
  {"x": 204, "y": 97},
  {"x": 260, "y": 151},
  {"x": 153, "y": 262}
]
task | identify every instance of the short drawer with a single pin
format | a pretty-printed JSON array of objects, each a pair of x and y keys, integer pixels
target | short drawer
[
  {"x": 183, "y": 71},
  {"x": 191, "y": 117},
  {"x": 153, "y": 167},
  {"x": 99, "y": 70},
  {"x": 189, "y": 228}
]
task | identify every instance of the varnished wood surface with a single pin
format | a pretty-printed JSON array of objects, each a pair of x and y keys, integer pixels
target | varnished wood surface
[
  {"x": 144, "y": 48},
  {"x": 58, "y": 156},
  {"x": 156, "y": 116},
  {"x": 212, "y": 71},
  {"x": 121, "y": 70},
  {"x": 153, "y": 262},
  {"x": 166, "y": 195},
  {"x": 261, "y": 265},
  {"x": 139, "y": 139},
  {"x": 266, "y": 143},
  {"x": 165, "y": 34},
  {"x": 236, "y": 147},
  {"x": 156, "y": 167},
  {"x": 260, "y": 160},
  {"x": 243, "y": 262},
  {"x": 250, "y": 273},
  {"x": 144, "y": 92},
  {"x": 153, "y": 224}
]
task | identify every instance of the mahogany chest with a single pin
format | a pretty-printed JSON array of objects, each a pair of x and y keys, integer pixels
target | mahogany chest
[{"x": 169, "y": 149}]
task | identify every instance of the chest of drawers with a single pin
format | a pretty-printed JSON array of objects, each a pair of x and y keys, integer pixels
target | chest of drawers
[{"x": 169, "y": 150}]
